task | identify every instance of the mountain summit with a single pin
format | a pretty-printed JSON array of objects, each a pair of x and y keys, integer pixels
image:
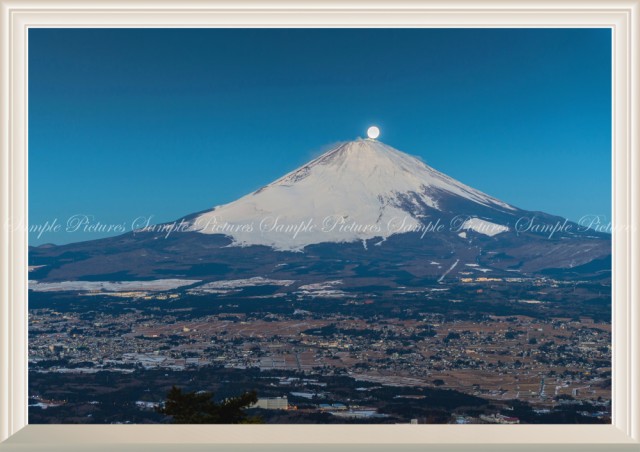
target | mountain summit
[{"x": 356, "y": 191}]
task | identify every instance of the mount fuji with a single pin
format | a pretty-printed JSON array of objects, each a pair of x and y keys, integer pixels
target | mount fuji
[
  {"x": 359, "y": 190},
  {"x": 362, "y": 213}
]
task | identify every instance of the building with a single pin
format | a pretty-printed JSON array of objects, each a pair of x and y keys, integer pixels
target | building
[
  {"x": 272, "y": 403},
  {"x": 499, "y": 419}
]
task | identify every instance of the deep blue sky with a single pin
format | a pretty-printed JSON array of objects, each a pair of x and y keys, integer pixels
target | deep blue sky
[{"x": 126, "y": 123}]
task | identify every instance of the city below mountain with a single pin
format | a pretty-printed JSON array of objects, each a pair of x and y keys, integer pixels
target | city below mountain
[{"x": 364, "y": 286}]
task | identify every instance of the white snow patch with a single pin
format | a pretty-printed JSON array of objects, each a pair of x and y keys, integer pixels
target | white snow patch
[
  {"x": 231, "y": 285},
  {"x": 325, "y": 293},
  {"x": 326, "y": 289},
  {"x": 157, "y": 285},
  {"x": 450, "y": 268},
  {"x": 322, "y": 285},
  {"x": 484, "y": 227}
]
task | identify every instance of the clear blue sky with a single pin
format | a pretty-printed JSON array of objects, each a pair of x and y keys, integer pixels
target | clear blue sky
[{"x": 126, "y": 123}]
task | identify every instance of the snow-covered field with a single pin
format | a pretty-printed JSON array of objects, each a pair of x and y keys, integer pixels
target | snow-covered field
[
  {"x": 158, "y": 285},
  {"x": 326, "y": 289},
  {"x": 325, "y": 293},
  {"x": 35, "y": 267},
  {"x": 321, "y": 286},
  {"x": 235, "y": 285}
]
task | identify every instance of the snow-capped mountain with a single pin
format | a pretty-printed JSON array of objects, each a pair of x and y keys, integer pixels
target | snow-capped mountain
[
  {"x": 363, "y": 213},
  {"x": 357, "y": 191}
]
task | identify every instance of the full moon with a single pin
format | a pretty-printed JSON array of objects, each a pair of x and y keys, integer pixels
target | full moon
[{"x": 373, "y": 132}]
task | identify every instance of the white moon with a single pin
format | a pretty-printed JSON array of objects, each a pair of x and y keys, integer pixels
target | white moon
[{"x": 373, "y": 132}]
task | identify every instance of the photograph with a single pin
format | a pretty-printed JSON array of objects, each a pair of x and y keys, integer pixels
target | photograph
[{"x": 320, "y": 225}]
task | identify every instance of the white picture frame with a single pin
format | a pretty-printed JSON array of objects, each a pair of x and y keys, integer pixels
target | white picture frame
[{"x": 17, "y": 16}]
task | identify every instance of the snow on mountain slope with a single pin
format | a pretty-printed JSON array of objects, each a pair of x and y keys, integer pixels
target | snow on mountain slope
[
  {"x": 484, "y": 227},
  {"x": 359, "y": 190}
]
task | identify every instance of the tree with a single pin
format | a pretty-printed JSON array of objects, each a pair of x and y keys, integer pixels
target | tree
[{"x": 199, "y": 408}]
